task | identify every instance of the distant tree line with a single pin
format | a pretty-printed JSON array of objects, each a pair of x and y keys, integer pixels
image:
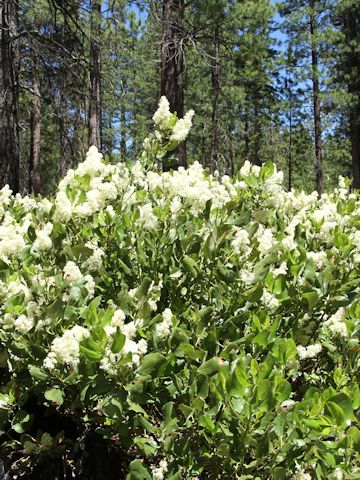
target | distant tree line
[{"x": 267, "y": 83}]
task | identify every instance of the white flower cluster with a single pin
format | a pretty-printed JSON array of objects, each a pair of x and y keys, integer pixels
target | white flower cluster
[
  {"x": 163, "y": 113},
  {"x": 265, "y": 238},
  {"x": 159, "y": 472},
  {"x": 135, "y": 348},
  {"x": 76, "y": 279},
  {"x": 43, "y": 241},
  {"x": 65, "y": 350},
  {"x": 93, "y": 184},
  {"x": 163, "y": 329},
  {"x": 5, "y": 198},
  {"x": 301, "y": 476},
  {"x": 300, "y": 473},
  {"x": 241, "y": 240},
  {"x": 23, "y": 324},
  {"x": 311, "y": 351},
  {"x": 147, "y": 218},
  {"x": 94, "y": 263},
  {"x": 162, "y": 118},
  {"x": 336, "y": 323},
  {"x": 72, "y": 273},
  {"x": 337, "y": 474},
  {"x": 192, "y": 186},
  {"x": 182, "y": 127},
  {"x": 11, "y": 238}
]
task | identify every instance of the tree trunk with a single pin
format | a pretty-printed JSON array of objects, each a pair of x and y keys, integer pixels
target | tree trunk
[
  {"x": 355, "y": 144},
  {"x": 62, "y": 114},
  {"x": 63, "y": 167},
  {"x": 95, "y": 72},
  {"x": 246, "y": 132},
  {"x": 123, "y": 152},
  {"x": 256, "y": 137},
  {"x": 172, "y": 63},
  {"x": 316, "y": 101},
  {"x": 215, "y": 83},
  {"x": 350, "y": 20},
  {"x": 290, "y": 160},
  {"x": 9, "y": 95},
  {"x": 35, "y": 175}
]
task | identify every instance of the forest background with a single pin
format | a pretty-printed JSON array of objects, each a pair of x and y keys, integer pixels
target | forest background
[{"x": 278, "y": 82}]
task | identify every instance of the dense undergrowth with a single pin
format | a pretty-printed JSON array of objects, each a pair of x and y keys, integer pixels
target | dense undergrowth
[{"x": 179, "y": 325}]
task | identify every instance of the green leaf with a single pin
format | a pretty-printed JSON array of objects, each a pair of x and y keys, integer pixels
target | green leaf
[
  {"x": 311, "y": 298},
  {"x": 38, "y": 374},
  {"x": 336, "y": 412},
  {"x": 227, "y": 275},
  {"x": 354, "y": 434},
  {"x": 54, "y": 395},
  {"x": 279, "y": 473},
  {"x": 138, "y": 471},
  {"x": 142, "y": 291},
  {"x": 124, "y": 267},
  {"x": 283, "y": 390},
  {"x": 21, "y": 421},
  {"x": 56, "y": 309},
  {"x": 151, "y": 364},
  {"x": 261, "y": 338},
  {"x": 91, "y": 316},
  {"x": 210, "y": 367},
  {"x": 254, "y": 294},
  {"x": 118, "y": 342},
  {"x": 207, "y": 209},
  {"x": 342, "y": 402},
  {"x": 190, "y": 266},
  {"x": 99, "y": 335},
  {"x": 91, "y": 349},
  {"x": 264, "y": 389}
]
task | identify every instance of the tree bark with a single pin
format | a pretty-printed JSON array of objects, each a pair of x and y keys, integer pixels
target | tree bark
[
  {"x": 355, "y": 144},
  {"x": 95, "y": 76},
  {"x": 63, "y": 166},
  {"x": 123, "y": 152},
  {"x": 350, "y": 26},
  {"x": 246, "y": 132},
  {"x": 290, "y": 160},
  {"x": 35, "y": 175},
  {"x": 62, "y": 113},
  {"x": 316, "y": 101},
  {"x": 173, "y": 63},
  {"x": 9, "y": 95},
  {"x": 215, "y": 83},
  {"x": 256, "y": 136}
]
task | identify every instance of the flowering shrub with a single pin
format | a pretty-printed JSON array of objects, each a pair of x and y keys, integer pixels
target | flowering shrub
[{"x": 208, "y": 326}]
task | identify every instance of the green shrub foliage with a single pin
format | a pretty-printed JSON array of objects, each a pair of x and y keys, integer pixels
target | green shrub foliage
[{"x": 208, "y": 326}]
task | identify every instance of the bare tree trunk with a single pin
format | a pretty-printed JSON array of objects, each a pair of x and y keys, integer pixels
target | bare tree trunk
[
  {"x": 123, "y": 152},
  {"x": 290, "y": 161},
  {"x": 316, "y": 102},
  {"x": 63, "y": 167},
  {"x": 255, "y": 147},
  {"x": 172, "y": 62},
  {"x": 35, "y": 175},
  {"x": 9, "y": 95},
  {"x": 355, "y": 144},
  {"x": 215, "y": 83},
  {"x": 246, "y": 133},
  {"x": 62, "y": 114},
  {"x": 95, "y": 73},
  {"x": 350, "y": 21},
  {"x": 231, "y": 160}
]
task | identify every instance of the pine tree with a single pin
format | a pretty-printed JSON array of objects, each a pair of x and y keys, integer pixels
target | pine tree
[
  {"x": 9, "y": 95},
  {"x": 95, "y": 75},
  {"x": 347, "y": 18}
]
